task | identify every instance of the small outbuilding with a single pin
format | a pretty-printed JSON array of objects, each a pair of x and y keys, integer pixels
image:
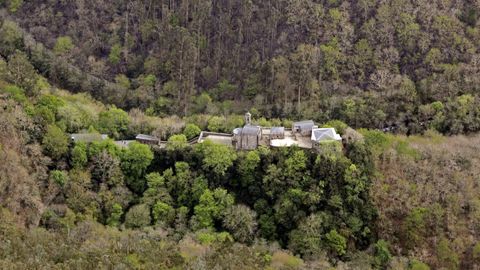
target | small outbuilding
[
  {"x": 277, "y": 133},
  {"x": 147, "y": 139},
  {"x": 304, "y": 128}
]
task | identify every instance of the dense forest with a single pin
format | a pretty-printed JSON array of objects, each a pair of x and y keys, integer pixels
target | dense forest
[
  {"x": 405, "y": 199},
  {"x": 375, "y": 64}
]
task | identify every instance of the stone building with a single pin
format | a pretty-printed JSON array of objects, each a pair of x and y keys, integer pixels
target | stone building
[
  {"x": 277, "y": 133},
  {"x": 147, "y": 139},
  {"x": 303, "y": 128},
  {"x": 247, "y": 138},
  {"x": 320, "y": 135},
  {"x": 88, "y": 137}
]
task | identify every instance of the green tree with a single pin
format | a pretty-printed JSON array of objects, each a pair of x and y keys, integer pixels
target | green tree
[
  {"x": 164, "y": 213},
  {"x": 446, "y": 256},
  {"x": 415, "y": 226},
  {"x": 55, "y": 142},
  {"x": 156, "y": 190},
  {"x": 134, "y": 162},
  {"x": 247, "y": 167},
  {"x": 382, "y": 254},
  {"x": 22, "y": 73},
  {"x": 338, "y": 125},
  {"x": 138, "y": 216},
  {"x": 211, "y": 206},
  {"x": 113, "y": 121},
  {"x": 116, "y": 214},
  {"x": 418, "y": 265},
  {"x": 177, "y": 142},
  {"x": 115, "y": 55},
  {"x": 241, "y": 222},
  {"x": 123, "y": 81},
  {"x": 63, "y": 45},
  {"x": 105, "y": 169},
  {"x": 79, "y": 155},
  {"x": 216, "y": 158},
  {"x": 59, "y": 177},
  {"x": 10, "y": 38},
  {"x": 215, "y": 124},
  {"x": 307, "y": 238},
  {"x": 14, "y": 5},
  {"x": 336, "y": 242},
  {"x": 191, "y": 131}
]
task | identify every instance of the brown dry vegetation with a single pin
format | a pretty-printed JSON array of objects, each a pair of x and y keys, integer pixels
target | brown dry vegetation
[
  {"x": 22, "y": 165},
  {"x": 438, "y": 179}
]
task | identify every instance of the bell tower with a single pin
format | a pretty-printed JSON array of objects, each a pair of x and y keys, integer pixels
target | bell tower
[{"x": 248, "y": 118}]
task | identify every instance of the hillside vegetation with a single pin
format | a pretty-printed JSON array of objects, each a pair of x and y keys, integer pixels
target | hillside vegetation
[
  {"x": 408, "y": 199},
  {"x": 410, "y": 64}
]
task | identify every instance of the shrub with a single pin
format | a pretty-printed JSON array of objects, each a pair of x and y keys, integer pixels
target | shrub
[
  {"x": 163, "y": 212},
  {"x": 177, "y": 142},
  {"x": 336, "y": 242},
  {"x": 59, "y": 177},
  {"x": 338, "y": 125},
  {"x": 115, "y": 54},
  {"x": 418, "y": 265},
  {"x": 191, "y": 131},
  {"x": 138, "y": 216},
  {"x": 55, "y": 142},
  {"x": 63, "y": 45},
  {"x": 382, "y": 253}
]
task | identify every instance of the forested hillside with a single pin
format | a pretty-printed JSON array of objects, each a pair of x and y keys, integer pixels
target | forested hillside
[
  {"x": 369, "y": 63},
  {"x": 406, "y": 199}
]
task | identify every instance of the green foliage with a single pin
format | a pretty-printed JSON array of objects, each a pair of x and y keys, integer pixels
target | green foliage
[
  {"x": 336, "y": 242},
  {"x": 63, "y": 45},
  {"x": 307, "y": 238},
  {"x": 59, "y": 177},
  {"x": 338, "y": 125},
  {"x": 382, "y": 254},
  {"x": 51, "y": 102},
  {"x": 14, "y": 5},
  {"x": 16, "y": 93},
  {"x": 150, "y": 80},
  {"x": 418, "y": 265},
  {"x": 138, "y": 216},
  {"x": 330, "y": 148},
  {"x": 476, "y": 252},
  {"x": 114, "y": 219},
  {"x": 22, "y": 73},
  {"x": 115, "y": 55},
  {"x": 211, "y": 206},
  {"x": 207, "y": 237},
  {"x": 177, "y": 142},
  {"x": 446, "y": 256},
  {"x": 11, "y": 38},
  {"x": 95, "y": 148},
  {"x": 415, "y": 226},
  {"x": 55, "y": 142},
  {"x": 241, "y": 222},
  {"x": 202, "y": 102},
  {"x": 403, "y": 148},
  {"x": 215, "y": 124},
  {"x": 114, "y": 122},
  {"x": 135, "y": 160},
  {"x": 163, "y": 212},
  {"x": 247, "y": 167},
  {"x": 217, "y": 158},
  {"x": 123, "y": 81},
  {"x": 376, "y": 139},
  {"x": 191, "y": 131}
]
